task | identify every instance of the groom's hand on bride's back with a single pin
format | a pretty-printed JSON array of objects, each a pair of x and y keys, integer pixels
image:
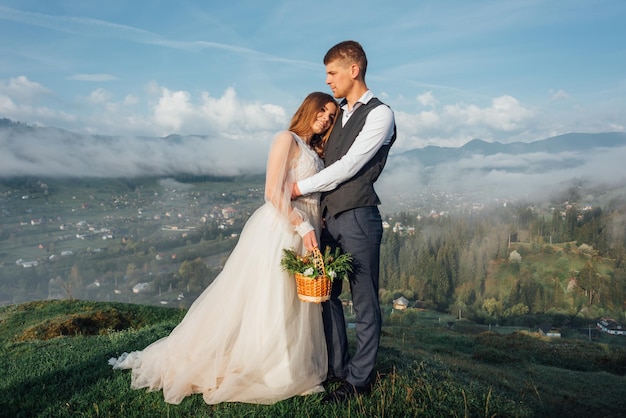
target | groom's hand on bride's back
[{"x": 295, "y": 191}]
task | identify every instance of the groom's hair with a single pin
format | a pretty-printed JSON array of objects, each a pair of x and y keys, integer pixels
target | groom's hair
[{"x": 348, "y": 53}]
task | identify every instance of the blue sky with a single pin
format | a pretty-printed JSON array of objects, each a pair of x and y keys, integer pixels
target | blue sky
[{"x": 451, "y": 70}]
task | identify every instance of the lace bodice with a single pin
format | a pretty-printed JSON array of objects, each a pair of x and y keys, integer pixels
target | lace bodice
[{"x": 308, "y": 163}]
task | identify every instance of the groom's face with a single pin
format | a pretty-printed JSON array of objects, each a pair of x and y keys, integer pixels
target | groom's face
[{"x": 339, "y": 78}]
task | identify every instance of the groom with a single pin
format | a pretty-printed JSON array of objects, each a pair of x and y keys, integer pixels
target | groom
[{"x": 355, "y": 155}]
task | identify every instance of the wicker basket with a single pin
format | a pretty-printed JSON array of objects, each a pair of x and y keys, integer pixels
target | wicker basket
[{"x": 314, "y": 289}]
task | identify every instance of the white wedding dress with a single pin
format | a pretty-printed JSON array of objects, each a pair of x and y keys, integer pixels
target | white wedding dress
[{"x": 247, "y": 338}]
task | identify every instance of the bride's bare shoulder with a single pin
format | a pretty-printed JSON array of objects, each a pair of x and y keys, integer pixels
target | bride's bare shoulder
[
  {"x": 285, "y": 139},
  {"x": 285, "y": 136}
]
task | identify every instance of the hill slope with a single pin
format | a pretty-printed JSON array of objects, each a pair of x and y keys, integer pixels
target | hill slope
[{"x": 54, "y": 364}]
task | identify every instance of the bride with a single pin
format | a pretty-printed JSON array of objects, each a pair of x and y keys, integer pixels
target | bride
[{"x": 268, "y": 346}]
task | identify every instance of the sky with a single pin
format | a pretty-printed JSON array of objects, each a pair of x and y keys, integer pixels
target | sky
[{"x": 234, "y": 72}]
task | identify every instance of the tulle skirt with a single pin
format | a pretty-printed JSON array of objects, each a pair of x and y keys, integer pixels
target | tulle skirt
[{"x": 247, "y": 338}]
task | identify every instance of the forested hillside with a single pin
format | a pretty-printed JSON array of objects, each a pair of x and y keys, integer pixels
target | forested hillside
[{"x": 511, "y": 266}]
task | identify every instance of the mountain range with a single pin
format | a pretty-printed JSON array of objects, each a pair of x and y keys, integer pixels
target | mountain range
[
  {"x": 498, "y": 168},
  {"x": 574, "y": 145}
]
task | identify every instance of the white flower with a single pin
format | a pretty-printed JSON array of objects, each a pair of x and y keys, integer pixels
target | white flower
[
  {"x": 332, "y": 274},
  {"x": 309, "y": 271}
]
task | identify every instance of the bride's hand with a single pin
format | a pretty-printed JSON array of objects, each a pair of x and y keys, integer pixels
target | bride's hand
[{"x": 310, "y": 241}]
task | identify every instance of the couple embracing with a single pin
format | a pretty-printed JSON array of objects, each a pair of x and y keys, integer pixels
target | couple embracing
[{"x": 272, "y": 346}]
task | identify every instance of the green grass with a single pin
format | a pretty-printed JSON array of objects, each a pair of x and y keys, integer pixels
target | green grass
[{"x": 54, "y": 356}]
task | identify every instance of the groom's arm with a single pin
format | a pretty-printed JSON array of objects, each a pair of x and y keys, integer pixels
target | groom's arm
[{"x": 377, "y": 131}]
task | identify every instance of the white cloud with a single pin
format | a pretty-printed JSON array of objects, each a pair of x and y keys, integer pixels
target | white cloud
[
  {"x": 221, "y": 111},
  {"x": 172, "y": 109},
  {"x": 427, "y": 99},
  {"x": 275, "y": 110},
  {"x": 20, "y": 100},
  {"x": 504, "y": 176},
  {"x": 455, "y": 124},
  {"x": 99, "y": 96},
  {"x": 177, "y": 112},
  {"x": 93, "y": 77},
  {"x": 229, "y": 135},
  {"x": 505, "y": 114},
  {"x": 23, "y": 90},
  {"x": 130, "y": 100},
  {"x": 55, "y": 153},
  {"x": 7, "y": 106},
  {"x": 156, "y": 110},
  {"x": 558, "y": 94}
]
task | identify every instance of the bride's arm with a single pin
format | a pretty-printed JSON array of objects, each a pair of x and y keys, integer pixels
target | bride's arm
[{"x": 283, "y": 155}]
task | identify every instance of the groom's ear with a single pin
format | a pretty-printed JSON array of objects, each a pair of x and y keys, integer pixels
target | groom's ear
[{"x": 355, "y": 71}]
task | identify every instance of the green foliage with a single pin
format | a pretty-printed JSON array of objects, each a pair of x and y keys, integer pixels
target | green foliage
[
  {"x": 519, "y": 309},
  {"x": 386, "y": 297},
  {"x": 335, "y": 264}
]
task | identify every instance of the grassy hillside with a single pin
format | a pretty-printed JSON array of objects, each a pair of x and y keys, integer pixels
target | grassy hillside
[{"x": 54, "y": 355}]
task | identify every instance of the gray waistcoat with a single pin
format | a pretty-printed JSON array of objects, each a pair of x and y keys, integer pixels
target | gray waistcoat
[{"x": 359, "y": 190}]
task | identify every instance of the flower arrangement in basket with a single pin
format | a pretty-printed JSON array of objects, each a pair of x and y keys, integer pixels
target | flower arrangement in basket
[{"x": 315, "y": 272}]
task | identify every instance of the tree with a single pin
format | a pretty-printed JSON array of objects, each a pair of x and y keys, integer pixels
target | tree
[
  {"x": 589, "y": 280},
  {"x": 557, "y": 225},
  {"x": 518, "y": 309},
  {"x": 493, "y": 307},
  {"x": 538, "y": 304},
  {"x": 441, "y": 285},
  {"x": 71, "y": 285},
  {"x": 525, "y": 216},
  {"x": 194, "y": 275},
  {"x": 389, "y": 260},
  {"x": 558, "y": 295},
  {"x": 571, "y": 222}
]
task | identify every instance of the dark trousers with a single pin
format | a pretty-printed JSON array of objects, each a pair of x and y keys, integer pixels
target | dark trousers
[{"x": 358, "y": 232}]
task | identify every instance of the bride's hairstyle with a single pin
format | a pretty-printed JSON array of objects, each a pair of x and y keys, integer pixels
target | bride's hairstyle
[{"x": 306, "y": 114}]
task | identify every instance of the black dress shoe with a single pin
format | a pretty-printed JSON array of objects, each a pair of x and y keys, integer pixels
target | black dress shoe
[
  {"x": 345, "y": 392},
  {"x": 331, "y": 380}
]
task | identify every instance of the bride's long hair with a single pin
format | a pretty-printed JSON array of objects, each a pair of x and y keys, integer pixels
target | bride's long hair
[{"x": 305, "y": 116}]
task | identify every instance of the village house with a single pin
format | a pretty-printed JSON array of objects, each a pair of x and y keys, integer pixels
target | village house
[
  {"x": 611, "y": 326},
  {"x": 401, "y": 303},
  {"x": 229, "y": 212},
  {"x": 141, "y": 287},
  {"x": 400, "y": 229},
  {"x": 548, "y": 331},
  {"x": 26, "y": 264}
]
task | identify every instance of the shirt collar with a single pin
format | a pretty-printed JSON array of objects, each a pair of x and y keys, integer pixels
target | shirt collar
[{"x": 367, "y": 96}]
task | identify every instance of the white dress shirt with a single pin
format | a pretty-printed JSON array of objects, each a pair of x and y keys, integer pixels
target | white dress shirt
[{"x": 377, "y": 131}]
